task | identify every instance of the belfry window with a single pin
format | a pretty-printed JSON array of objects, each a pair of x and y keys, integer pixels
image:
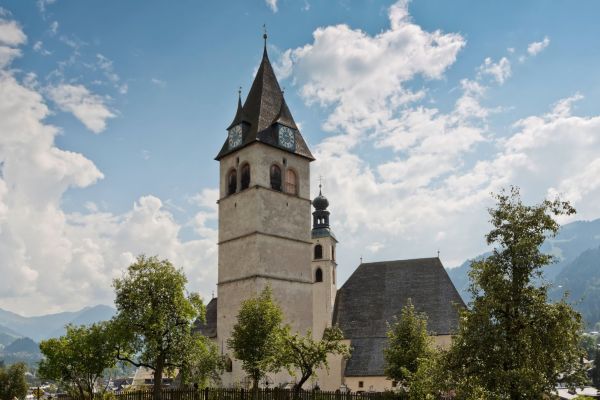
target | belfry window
[
  {"x": 245, "y": 183},
  {"x": 333, "y": 253},
  {"x": 232, "y": 182},
  {"x": 319, "y": 275},
  {"x": 318, "y": 252},
  {"x": 275, "y": 177},
  {"x": 291, "y": 183}
]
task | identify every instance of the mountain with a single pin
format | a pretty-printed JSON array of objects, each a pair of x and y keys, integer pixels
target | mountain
[
  {"x": 22, "y": 345},
  {"x": 88, "y": 316},
  {"x": 575, "y": 247},
  {"x": 581, "y": 281},
  {"x": 7, "y": 336},
  {"x": 52, "y": 325}
]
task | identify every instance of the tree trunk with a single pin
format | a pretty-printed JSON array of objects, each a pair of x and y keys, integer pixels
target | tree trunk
[
  {"x": 158, "y": 374},
  {"x": 81, "y": 391},
  {"x": 301, "y": 382}
]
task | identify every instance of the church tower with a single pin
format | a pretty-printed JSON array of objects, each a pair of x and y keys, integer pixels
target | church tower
[
  {"x": 264, "y": 212},
  {"x": 323, "y": 266}
]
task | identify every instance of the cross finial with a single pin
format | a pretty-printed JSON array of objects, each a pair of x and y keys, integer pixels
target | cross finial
[
  {"x": 438, "y": 253},
  {"x": 240, "y": 92},
  {"x": 265, "y": 33},
  {"x": 320, "y": 183},
  {"x": 361, "y": 259}
]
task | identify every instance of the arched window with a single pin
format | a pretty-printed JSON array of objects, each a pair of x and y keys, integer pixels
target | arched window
[
  {"x": 275, "y": 177},
  {"x": 318, "y": 252},
  {"x": 232, "y": 182},
  {"x": 333, "y": 253},
  {"x": 245, "y": 176},
  {"x": 291, "y": 184},
  {"x": 319, "y": 275}
]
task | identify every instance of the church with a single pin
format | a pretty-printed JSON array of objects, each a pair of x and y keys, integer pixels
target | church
[{"x": 267, "y": 237}]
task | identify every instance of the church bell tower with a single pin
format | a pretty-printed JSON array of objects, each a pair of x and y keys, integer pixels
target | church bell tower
[{"x": 264, "y": 212}]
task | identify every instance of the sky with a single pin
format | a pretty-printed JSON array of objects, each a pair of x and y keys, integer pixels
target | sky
[{"x": 111, "y": 114}]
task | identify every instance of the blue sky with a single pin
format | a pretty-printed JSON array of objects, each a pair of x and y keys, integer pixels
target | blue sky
[{"x": 113, "y": 112}]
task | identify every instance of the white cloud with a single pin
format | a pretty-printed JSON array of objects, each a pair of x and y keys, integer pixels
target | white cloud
[
  {"x": 54, "y": 27},
  {"x": 106, "y": 66},
  {"x": 535, "y": 48},
  {"x": 411, "y": 176},
  {"x": 89, "y": 108},
  {"x": 272, "y": 4},
  {"x": 158, "y": 82},
  {"x": 500, "y": 71},
  {"x": 39, "y": 48},
  {"x": 361, "y": 77},
  {"x": 43, "y": 248},
  {"x": 43, "y": 3},
  {"x": 11, "y": 36}
]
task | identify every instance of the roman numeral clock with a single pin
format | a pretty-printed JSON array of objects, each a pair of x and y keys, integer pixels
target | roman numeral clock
[
  {"x": 235, "y": 136},
  {"x": 287, "y": 137}
]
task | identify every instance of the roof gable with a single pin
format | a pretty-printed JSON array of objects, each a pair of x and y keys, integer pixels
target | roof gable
[{"x": 376, "y": 293}]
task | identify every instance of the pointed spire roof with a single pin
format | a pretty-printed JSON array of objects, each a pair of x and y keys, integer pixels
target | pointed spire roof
[
  {"x": 239, "y": 114},
  {"x": 265, "y": 107}
]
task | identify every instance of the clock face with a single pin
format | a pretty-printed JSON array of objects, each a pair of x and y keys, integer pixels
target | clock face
[
  {"x": 235, "y": 136},
  {"x": 287, "y": 137}
]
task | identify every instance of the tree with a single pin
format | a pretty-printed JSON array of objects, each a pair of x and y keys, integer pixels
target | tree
[
  {"x": 79, "y": 358},
  {"x": 511, "y": 341},
  {"x": 588, "y": 343},
  {"x": 203, "y": 365},
  {"x": 12, "y": 382},
  {"x": 596, "y": 370},
  {"x": 155, "y": 318},
  {"x": 306, "y": 354},
  {"x": 408, "y": 344},
  {"x": 256, "y": 338}
]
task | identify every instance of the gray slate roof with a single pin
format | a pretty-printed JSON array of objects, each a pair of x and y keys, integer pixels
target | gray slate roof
[
  {"x": 208, "y": 328},
  {"x": 264, "y": 107},
  {"x": 376, "y": 292}
]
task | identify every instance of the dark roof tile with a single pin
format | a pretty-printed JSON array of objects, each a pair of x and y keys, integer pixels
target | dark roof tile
[
  {"x": 264, "y": 107},
  {"x": 376, "y": 292},
  {"x": 208, "y": 328}
]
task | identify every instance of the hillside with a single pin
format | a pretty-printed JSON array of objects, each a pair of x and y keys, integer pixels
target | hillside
[
  {"x": 7, "y": 336},
  {"x": 51, "y": 325},
  {"x": 22, "y": 345},
  {"x": 577, "y": 270},
  {"x": 581, "y": 281}
]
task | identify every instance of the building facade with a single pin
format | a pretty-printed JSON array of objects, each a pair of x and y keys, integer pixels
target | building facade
[{"x": 266, "y": 238}]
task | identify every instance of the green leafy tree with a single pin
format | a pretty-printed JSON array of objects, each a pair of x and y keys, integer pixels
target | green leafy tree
[
  {"x": 204, "y": 365},
  {"x": 588, "y": 343},
  {"x": 596, "y": 370},
  {"x": 12, "y": 382},
  {"x": 257, "y": 337},
  {"x": 155, "y": 318},
  {"x": 408, "y": 344},
  {"x": 307, "y": 355},
  {"x": 79, "y": 358},
  {"x": 512, "y": 342}
]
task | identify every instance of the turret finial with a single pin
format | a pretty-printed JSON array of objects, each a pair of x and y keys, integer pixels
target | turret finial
[
  {"x": 265, "y": 34},
  {"x": 320, "y": 184}
]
